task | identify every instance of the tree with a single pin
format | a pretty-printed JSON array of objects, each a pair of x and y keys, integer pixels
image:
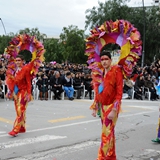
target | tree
[
  {"x": 110, "y": 10},
  {"x": 117, "y": 9},
  {"x": 4, "y": 42},
  {"x": 152, "y": 34},
  {"x": 72, "y": 40},
  {"x": 53, "y": 50}
]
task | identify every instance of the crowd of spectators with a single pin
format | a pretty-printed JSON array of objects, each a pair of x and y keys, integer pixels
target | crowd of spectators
[
  {"x": 3, "y": 65},
  {"x": 143, "y": 79},
  {"x": 58, "y": 78},
  {"x": 66, "y": 78}
]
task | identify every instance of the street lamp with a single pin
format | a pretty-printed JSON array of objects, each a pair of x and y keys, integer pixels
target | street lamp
[
  {"x": 3, "y": 26},
  {"x": 144, "y": 28}
]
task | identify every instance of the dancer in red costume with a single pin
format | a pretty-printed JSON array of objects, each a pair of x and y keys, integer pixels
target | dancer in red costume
[
  {"x": 22, "y": 95},
  {"x": 109, "y": 100},
  {"x": 19, "y": 76},
  {"x": 107, "y": 78}
]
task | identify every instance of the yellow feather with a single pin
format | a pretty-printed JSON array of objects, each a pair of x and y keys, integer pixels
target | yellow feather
[
  {"x": 125, "y": 50},
  {"x": 33, "y": 55},
  {"x": 102, "y": 41}
]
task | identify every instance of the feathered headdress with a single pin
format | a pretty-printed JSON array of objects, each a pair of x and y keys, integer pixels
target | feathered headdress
[
  {"x": 20, "y": 43},
  {"x": 120, "y": 32}
]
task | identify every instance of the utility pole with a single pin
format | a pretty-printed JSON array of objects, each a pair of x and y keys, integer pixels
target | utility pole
[
  {"x": 144, "y": 32},
  {"x": 3, "y": 26}
]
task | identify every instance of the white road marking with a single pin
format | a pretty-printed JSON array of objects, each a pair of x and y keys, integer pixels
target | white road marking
[
  {"x": 60, "y": 126},
  {"x": 78, "y": 123},
  {"x": 58, "y": 152},
  {"x": 2, "y": 132},
  {"x": 27, "y": 141}
]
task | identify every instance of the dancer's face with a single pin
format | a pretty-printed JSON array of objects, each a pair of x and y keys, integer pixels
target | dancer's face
[
  {"x": 106, "y": 61},
  {"x": 19, "y": 62}
]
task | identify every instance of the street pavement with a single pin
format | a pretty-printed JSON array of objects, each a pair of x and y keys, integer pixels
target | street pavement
[{"x": 65, "y": 130}]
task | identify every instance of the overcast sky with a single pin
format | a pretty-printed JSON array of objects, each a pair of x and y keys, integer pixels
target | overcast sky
[{"x": 49, "y": 16}]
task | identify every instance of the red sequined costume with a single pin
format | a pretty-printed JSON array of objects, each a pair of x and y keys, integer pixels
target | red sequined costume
[
  {"x": 19, "y": 81},
  {"x": 109, "y": 98},
  {"x": 23, "y": 82},
  {"x": 124, "y": 34}
]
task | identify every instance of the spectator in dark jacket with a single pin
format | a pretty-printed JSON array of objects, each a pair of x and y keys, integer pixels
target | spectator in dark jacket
[
  {"x": 56, "y": 85},
  {"x": 139, "y": 85},
  {"x": 88, "y": 85},
  {"x": 42, "y": 84},
  {"x": 78, "y": 85}
]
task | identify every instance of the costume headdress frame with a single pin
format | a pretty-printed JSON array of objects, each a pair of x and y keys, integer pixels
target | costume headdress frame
[
  {"x": 18, "y": 44},
  {"x": 120, "y": 32}
]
